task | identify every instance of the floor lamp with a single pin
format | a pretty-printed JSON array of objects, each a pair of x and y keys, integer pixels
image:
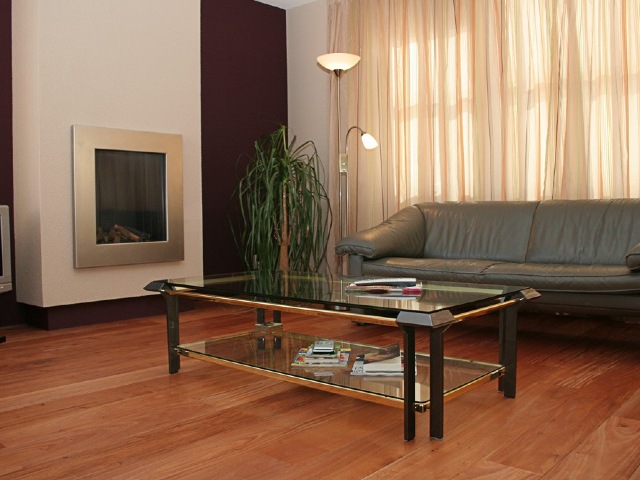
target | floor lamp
[{"x": 339, "y": 63}]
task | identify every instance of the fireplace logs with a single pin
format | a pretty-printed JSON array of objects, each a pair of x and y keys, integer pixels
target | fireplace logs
[{"x": 120, "y": 234}]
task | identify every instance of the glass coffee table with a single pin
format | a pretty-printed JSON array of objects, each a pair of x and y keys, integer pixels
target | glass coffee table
[{"x": 428, "y": 379}]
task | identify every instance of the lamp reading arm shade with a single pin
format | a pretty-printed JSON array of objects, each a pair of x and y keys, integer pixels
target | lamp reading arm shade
[
  {"x": 368, "y": 141},
  {"x": 338, "y": 62}
]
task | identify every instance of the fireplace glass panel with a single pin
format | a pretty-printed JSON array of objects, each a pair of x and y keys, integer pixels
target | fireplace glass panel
[{"x": 130, "y": 196}]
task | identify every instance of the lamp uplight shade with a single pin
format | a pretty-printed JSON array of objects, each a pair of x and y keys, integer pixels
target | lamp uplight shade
[
  {"x": 338, "y": 61},
  {"x": 368, "y": 141}
]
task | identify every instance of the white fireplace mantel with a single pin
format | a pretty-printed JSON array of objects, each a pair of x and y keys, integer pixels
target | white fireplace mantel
[{"x": 131, "y": 64}]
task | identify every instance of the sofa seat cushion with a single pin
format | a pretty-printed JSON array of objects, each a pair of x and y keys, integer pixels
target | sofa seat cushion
[
  {"x": 565, "y": 277},
  {"x": 451, "y": 270},
  {"x": 544, "y": 277}
]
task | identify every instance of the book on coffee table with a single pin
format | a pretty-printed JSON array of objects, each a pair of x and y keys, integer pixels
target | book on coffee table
[
  {"x": 390, "y": 367},
  {"x": 306, "y": 357},
  {"x": 386, "y": 362}
]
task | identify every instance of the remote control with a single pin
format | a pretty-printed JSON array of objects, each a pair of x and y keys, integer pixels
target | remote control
[{"x": 392, "y": 282}]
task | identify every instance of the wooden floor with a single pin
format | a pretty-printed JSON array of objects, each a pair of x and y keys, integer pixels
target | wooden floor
[{"x": 97, "y": 402}]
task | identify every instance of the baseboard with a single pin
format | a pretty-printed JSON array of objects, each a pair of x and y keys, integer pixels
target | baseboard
[{"x": 65, "y": 316}]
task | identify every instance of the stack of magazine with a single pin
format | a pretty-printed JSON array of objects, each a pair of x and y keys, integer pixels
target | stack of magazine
[
  {"x": 322, "y": 353},
  {"x": 386, "y": 362}
]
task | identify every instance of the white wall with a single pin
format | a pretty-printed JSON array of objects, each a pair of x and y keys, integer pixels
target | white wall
[
  {"x": 308, "y": 84},
  {"x": 130, "y": 64}
]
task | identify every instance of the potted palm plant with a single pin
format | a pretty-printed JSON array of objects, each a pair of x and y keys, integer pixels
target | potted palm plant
[{"x": 285, "y": 216}]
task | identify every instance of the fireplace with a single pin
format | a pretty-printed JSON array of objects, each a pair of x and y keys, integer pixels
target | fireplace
[{"x": 127, "y": 197}]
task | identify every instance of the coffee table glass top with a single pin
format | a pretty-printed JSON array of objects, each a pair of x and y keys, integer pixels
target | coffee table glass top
[{"x": 326, "y": 290}]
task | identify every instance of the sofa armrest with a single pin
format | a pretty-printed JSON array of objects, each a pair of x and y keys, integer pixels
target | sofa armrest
[
  {"x": 633, "y": 258},
  {"x": 401, "y": 235}
]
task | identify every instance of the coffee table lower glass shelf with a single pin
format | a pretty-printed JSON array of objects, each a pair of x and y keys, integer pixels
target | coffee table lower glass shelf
[{"x": 271, "y": 351}]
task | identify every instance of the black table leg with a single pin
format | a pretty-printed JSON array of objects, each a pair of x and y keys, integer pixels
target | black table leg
[
  {"x": 173, "y": 331},
  {"x": 508, "y": 350},
  {"x": 436, "y": 383},
  {"x": 409, "y": 334},
  {"x": 262, "y": 319}
]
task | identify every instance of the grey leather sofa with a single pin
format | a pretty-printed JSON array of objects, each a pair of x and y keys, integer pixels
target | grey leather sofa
[{"x": 583, "y": 256}]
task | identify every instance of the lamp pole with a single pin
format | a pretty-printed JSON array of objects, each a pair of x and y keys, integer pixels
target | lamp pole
[
  {"x": 369, "y": 143},
  {"x": 339, "y": 63}
]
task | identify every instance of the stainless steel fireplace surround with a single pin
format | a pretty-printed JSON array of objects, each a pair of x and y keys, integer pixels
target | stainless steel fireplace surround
[{"x": 127, "y": 197}]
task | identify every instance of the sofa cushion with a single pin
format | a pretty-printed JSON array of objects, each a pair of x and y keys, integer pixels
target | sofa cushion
[
  {"x": 478, "y": 230},
  {"x": 584, "y": 231}
]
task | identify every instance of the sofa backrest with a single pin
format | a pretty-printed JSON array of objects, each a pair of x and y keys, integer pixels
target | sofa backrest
[
  {"x": 479, "y": 230},
  {"x": 584, "y": 231}
]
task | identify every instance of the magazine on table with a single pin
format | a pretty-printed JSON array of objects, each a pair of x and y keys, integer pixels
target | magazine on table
[
  {"x": 388, "y": 361},
  {"x": 387, "y": 288},
  {"x": 314, "y": 357}
]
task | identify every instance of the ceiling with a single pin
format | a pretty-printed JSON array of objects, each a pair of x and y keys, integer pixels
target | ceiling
[{"x": 286, "y": 4}]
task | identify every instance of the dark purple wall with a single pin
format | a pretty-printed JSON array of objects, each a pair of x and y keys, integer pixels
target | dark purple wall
[
  {"x": 9, "y": 311},
  {"x": 244, "y": 96}
]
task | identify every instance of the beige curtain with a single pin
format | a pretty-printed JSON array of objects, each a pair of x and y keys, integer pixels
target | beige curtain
[{"x": 488, "y": 100}]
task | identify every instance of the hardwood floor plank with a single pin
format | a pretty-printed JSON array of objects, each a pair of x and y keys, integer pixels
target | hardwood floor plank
[
  {"x": 486, "y": 470},
  {"x": 97, "y": 402},
  {"x": 565, "y": 413},
  {"x": 631, "y": 407},
  {"x": 611, "y": 452}
]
